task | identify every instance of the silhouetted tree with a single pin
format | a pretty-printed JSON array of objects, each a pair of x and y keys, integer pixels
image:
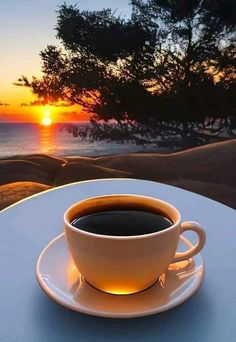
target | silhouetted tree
[{"x": 168, "y": 71}]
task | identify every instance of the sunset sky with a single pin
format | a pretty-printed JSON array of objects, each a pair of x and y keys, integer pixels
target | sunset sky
[{"x": 26, "y": 28}]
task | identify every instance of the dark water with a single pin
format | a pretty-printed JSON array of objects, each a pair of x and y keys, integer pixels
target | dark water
[
  {"x": 122, "y": 223},
  {"x": 21, "y": 139}
]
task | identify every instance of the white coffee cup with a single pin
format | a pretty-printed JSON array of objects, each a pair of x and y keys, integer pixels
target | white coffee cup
[{"x": 127, "y": 264}]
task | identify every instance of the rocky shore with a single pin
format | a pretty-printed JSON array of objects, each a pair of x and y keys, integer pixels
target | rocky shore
[{"x": 208, "y": 170}]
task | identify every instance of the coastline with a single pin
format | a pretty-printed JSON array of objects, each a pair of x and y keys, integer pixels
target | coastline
[{"x": 209, "y": 170}]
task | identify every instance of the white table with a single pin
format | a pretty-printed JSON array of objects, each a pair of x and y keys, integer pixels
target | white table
[{"x": 27, "y": 314}]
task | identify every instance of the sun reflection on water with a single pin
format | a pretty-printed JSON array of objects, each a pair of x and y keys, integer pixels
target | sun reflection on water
[{"x": 47, "y": 138}]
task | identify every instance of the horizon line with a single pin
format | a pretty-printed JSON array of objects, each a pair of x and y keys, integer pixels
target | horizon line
[{"x": 38, "y": 123}]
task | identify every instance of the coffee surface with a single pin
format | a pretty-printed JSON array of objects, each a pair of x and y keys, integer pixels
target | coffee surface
[{"x": 122, "y": 223}]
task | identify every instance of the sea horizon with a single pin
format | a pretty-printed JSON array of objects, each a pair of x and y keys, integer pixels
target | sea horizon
[
  {"x": 54, "y": 123},
  {"x": 19, "y": 139}
]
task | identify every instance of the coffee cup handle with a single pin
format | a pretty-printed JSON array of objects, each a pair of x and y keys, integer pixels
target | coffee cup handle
[{"x": 194, "y": 226}]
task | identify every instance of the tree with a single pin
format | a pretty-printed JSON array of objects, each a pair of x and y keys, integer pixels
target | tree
[{"x": 169, "y": 70}]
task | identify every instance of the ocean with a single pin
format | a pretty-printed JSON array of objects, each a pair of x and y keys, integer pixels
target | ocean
[{"x": 24, "y": 139}]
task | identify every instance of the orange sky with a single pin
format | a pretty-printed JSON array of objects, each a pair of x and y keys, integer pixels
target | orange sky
[
  {"x": 20, "y": 44},
  {"x": 26, "y": 28},
  {"x": 15, "y": 106}
]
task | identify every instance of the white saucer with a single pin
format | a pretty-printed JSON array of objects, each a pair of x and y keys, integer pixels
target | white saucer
[{"x": 59, "y": 278}]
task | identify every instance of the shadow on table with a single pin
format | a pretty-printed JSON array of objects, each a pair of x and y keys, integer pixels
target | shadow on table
[{"x": 53, "y": 322}]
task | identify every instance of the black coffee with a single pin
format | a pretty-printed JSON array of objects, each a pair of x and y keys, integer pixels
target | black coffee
[{"x": 122, "y": 222}]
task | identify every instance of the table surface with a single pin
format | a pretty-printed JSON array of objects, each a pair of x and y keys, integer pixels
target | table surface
[{"x": 27, "y": 314}]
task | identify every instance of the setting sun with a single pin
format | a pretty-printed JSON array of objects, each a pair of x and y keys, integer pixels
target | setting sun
[{"x": 46, "y": 121}]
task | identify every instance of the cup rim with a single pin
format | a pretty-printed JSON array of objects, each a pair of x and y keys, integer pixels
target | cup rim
[{"x": 121, "y": 237}]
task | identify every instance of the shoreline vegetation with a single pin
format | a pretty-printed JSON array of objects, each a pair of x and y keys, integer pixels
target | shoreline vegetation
[{"x": 207, "y": 170}]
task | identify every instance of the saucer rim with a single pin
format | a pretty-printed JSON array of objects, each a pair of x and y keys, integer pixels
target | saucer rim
[{"x": 121, "y": 315}]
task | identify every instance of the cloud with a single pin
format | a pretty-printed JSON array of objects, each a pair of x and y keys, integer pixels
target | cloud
[
  {"x": 18, "y": 84},
  {"x": 44, "y": 103},
  {"x": 4, "y": 104},
  {"x": 22, "y": 82},
  {"x": 39, "y": 103},
  {"x": 34, "y": 103},
  {"x": 63, "y": 104},
  {"x": 25, "y": 104}
]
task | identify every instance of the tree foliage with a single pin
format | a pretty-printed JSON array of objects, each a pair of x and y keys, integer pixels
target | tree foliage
[{"x": 169, "y": 68}]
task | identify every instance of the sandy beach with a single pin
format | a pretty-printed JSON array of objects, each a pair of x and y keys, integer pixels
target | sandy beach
[{"x": 208, "y": 170}]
